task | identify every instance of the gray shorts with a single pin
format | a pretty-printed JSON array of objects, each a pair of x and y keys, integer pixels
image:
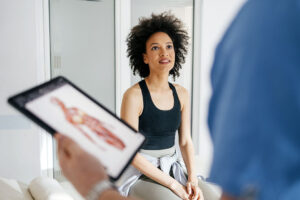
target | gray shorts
[{"x": 147, "y": 189}]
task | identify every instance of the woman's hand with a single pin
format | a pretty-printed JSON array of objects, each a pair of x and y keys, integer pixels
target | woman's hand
[
  {"x": 193, "y": 190},
  {"x": 179, "y": 190}
]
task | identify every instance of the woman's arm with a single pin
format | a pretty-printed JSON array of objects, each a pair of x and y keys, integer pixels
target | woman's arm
[
  {"x": 185, "y": 140},
  {"x": 132, "y": 107},
  {"x": 186, "y": 143}
]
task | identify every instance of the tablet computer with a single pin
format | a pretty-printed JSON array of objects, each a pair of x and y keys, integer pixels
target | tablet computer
[{"x": 60, "y": 106}]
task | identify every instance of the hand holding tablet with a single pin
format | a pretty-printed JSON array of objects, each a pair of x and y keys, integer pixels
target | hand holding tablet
[{"x": 59, "y": 106}]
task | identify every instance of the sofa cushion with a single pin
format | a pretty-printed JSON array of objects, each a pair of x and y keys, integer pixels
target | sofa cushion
[
  {"x": 43, "y": 188},
  {"x": 13, "y": 190}
]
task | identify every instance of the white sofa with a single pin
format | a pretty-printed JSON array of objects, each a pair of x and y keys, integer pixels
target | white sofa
[
  {"x": 40, "y": 188},
  {"x": 43, "y": 188}
]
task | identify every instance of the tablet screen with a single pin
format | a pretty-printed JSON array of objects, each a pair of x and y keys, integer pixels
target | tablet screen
[{"x": 72, "y": 113}]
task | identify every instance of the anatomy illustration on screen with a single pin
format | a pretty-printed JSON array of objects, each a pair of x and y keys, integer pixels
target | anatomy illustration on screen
[{"x": 79, "y": 119}]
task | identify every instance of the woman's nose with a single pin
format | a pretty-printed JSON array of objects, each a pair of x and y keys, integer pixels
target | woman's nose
[{"x": 164, "y": 52}]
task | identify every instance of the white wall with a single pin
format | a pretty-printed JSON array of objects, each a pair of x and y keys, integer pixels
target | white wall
[
  {"x": 216, "y": 16},
  {"x": 19, "y": 139}
]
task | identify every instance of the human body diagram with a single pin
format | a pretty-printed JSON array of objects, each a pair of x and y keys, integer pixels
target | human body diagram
[{"x": 79, "y": 119}]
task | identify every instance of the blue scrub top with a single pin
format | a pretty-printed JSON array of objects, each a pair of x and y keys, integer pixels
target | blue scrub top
[{"x": 254, "y": 114}]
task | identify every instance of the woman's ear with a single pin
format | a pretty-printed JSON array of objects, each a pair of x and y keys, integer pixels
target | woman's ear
[{"x": 145, "y": 57}]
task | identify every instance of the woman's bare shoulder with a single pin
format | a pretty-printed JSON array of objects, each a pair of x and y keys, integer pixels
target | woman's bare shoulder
[
  {"x": 181, "y": 91},
  {"x": 183, "y": 94},
  {"x": 132, "y": 100},
  {"x": 133, "y": 93}
]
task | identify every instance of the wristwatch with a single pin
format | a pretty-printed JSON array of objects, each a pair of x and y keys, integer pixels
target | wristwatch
[{"x": 99, "y": 188}]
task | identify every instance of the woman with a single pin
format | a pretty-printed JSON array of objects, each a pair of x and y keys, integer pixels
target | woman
[{"x": 156, "y": 48}]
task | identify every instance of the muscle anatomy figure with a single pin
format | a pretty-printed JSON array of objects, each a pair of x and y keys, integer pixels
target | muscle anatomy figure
[{"x": 78, "y": 118}]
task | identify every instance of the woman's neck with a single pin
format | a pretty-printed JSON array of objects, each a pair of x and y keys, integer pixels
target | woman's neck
[{"x": 157, "y": 82}]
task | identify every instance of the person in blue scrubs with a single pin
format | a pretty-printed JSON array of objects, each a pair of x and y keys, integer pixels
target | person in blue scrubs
[{"x": 254, "y": 114}]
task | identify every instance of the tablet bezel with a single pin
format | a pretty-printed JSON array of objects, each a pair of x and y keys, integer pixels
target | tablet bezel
[{"x": 19, "y": 101}]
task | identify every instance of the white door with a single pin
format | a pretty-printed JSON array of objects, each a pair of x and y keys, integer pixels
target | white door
[{"x": 82, "y": 38}]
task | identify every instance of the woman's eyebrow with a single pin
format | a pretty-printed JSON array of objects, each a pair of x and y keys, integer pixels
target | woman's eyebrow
[{"x": 154, "y": 43}]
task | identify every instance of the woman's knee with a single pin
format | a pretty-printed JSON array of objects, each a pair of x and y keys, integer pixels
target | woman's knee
[
  {"x": 210, "y": 191},
  {"x": 147, "y": 190}
]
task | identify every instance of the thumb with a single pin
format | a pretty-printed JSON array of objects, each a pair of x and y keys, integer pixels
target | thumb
[
  {"x": 186, "y": 197},
  {"x": 189, "y": 188},
  {"x": 65, "y": 145}
]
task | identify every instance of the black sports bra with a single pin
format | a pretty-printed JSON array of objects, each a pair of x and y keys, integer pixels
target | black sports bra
[{"x": 158, "y": 126}]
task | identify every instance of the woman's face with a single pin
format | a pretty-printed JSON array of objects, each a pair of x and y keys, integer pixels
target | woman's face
[{"x": 160, "y": 54}]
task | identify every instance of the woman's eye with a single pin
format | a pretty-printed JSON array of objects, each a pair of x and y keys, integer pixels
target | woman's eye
[
  {"x": 154, "y": 48},
  {"x": 169, "y": 46}
]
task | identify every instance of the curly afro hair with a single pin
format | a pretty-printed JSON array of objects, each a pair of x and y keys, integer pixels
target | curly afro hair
[{"x": 136, "y": 41}]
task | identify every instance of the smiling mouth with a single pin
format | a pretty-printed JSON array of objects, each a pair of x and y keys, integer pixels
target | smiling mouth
[{"x": 164, "y": 61}]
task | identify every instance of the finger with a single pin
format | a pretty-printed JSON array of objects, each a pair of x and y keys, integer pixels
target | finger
[
  {"x": 68, "y": 145},
  {"x": 189, "y": 188},
  {"x": 60, "y": 147},
  {"x": 186, "y": 197},
  {"x": 57, "y": 135},
  {"x": 65, "y": 146},
  {"x": 59, "y": 139},
  {"x": 62, "y": 157},
  {"x": 184, "y": 194},
  {"x": 196, "y": 193}
]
